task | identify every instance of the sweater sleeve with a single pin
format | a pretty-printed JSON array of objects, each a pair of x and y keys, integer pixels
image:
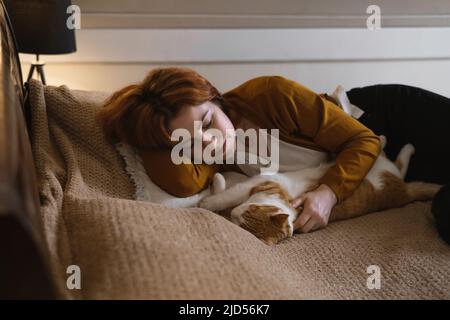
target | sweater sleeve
[
  {"x": 180, "y": 180},
  {"x": 328, "y": 126}
]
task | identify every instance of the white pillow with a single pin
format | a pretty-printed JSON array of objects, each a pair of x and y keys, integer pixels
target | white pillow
[{"x": 146, "y": 190}]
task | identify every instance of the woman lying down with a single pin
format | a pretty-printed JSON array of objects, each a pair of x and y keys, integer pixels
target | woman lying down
[{"x": 330, "y": 154}]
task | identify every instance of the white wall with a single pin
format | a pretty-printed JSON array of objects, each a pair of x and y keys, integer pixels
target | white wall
[{"x": 108, "y": 59}]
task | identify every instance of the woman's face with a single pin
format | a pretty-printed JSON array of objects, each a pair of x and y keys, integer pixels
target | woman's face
[{"x": 210, "y": 116}]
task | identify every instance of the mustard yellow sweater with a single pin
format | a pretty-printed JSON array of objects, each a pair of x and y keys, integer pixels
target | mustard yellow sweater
[{"x": 303, "y": 118}]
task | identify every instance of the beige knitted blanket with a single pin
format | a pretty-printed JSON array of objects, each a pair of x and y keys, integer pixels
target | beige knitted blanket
[{"x": 133, "y": 249}]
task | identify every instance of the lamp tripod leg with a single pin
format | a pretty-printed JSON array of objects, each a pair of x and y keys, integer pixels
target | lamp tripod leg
[
  {"x": 40, "y": 71},
  {"x": 30, "y": 73}
]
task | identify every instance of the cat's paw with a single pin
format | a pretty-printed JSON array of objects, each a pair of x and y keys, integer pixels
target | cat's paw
[
  {"x": 209, "y": 203},
  {"x": 409, "y": 149},
  {"x": 219, "y": 184}
]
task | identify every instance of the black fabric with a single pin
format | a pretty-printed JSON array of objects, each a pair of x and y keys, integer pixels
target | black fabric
[
  {"x": 441, "y": 212},
  {"x": 406, "y": 114}
]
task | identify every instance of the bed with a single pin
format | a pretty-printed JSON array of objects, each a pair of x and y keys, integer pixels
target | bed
[{"x": 66, "y": 200}]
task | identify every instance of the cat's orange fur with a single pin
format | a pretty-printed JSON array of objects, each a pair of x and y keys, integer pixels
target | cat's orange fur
[
  {"x": 262, "y": 204},
  {"x": 270, "y": 224},
  {"x": 271, "y": 187},
  {"x": 266, "y": 222}
]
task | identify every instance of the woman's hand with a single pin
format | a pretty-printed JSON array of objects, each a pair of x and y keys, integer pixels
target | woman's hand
[{"x": 317, "y": 205}]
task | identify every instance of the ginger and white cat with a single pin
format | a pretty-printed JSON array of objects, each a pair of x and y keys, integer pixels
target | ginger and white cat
[{"x": 261, "y": 204}]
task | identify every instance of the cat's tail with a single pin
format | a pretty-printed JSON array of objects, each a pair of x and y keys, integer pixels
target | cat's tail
[{"x": 421, "y": 191}]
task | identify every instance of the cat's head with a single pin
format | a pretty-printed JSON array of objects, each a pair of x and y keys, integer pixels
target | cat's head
[
  {"x": 267, "y": 213},
  {"x": 267, "y": 222}
]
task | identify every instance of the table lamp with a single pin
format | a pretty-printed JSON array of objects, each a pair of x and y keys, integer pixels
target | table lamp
[{"x": 40, "y": 28}]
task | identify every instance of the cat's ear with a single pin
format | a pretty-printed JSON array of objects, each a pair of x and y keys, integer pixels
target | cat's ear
[{"x": 279, "y": 219}]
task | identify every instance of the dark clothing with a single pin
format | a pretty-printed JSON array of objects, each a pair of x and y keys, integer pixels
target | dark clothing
[{"x": 406, "y": 114}]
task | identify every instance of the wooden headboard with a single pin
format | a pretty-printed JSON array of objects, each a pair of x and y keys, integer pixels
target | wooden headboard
[{"x": 24, "y": 264}]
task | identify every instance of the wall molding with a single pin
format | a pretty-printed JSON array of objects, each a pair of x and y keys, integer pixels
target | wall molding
[
  {"x": 153, "y": 20},
  {"x": 259, "y": 13}
]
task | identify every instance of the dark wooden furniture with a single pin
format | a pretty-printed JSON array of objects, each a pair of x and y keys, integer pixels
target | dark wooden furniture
[{"x": 24, "y": 268}]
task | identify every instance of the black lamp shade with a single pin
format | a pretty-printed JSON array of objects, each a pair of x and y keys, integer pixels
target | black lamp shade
[{"x": 40, "y": 26}]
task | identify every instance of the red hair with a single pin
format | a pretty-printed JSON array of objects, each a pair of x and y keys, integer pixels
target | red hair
[{"x": 139, "y": 113}]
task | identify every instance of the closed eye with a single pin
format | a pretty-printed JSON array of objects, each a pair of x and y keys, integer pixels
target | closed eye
[{"x": 209, "y": 124}]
